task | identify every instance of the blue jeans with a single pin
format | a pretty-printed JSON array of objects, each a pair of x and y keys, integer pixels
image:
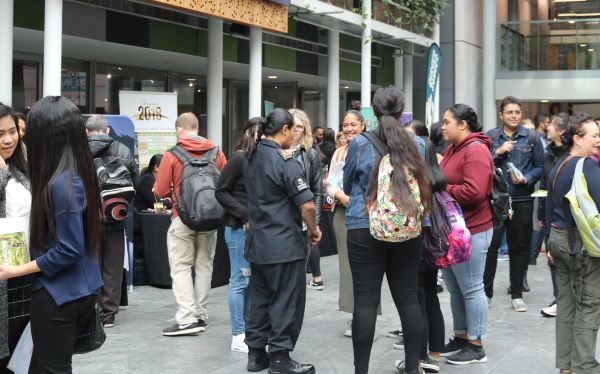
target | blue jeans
[
  {"x": 465, "y": 284},
  {"x": 238, "y": 280}
]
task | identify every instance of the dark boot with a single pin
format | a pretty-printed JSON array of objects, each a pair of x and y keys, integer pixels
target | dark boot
[
  {"x": 281, "y": 363},
  {"x": 258, "y": 359}
]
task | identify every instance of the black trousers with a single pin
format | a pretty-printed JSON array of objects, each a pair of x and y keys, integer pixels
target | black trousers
[
  {"x": 370, "y": 259},
  {"x": 54, "y": 330},
  {"x": 277, "y": 305},
  {"x": 111, "y": 265},
  {"x": 433, "y": 319},
  {"x": 314, "y": 261},
  {"x": 518, "y": 237}
]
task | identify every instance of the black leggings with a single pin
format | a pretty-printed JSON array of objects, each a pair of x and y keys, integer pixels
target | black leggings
[
  {"x": 370, "y": 259},
  {"x": 433, "y": 319},
  {"x": 314, "y": 261},
  {"x": 54, "y": 330}
]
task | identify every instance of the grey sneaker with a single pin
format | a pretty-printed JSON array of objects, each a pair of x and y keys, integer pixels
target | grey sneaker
[
  {"x": 431, "y": 365},
  {"x": 519, "y": 305},
  {"x": 400, "y": 365},
  {"x": 470, "y": 354},
  {"x": 454, "y": 345},
  {"x": 186, "y": 329}
]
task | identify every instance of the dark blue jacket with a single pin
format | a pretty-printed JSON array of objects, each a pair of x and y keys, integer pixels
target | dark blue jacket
[
  {"x": 357, "y": 174},
  {"x": 68, "y": 271},
  {"x": 529, "y": 160}
]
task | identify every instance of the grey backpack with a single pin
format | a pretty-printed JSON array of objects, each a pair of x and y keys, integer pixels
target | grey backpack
[{"x": 197, "y": 205}]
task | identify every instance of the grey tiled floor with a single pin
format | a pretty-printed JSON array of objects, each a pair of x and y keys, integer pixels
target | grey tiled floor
[{"x": 516, "y": 343}]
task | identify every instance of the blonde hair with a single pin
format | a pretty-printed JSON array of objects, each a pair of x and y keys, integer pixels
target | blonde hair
[
  {"x": 337, "y": 139},
  {"x": 306, "y": 139}
]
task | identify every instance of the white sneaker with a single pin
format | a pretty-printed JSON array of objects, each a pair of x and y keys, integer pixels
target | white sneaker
[
  {"x": 549, "y": 311},
  {"x": 519, "y": 305},
  {"x": 238, "y": 344}
]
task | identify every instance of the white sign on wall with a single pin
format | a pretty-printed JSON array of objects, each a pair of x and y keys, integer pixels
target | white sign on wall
[{"x": 153, "y": 115}]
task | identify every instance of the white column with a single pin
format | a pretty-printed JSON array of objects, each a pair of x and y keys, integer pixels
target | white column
[
  {"x": 365, "y": 62},
  {"x": 489, "y": 64},
  {"x": 399, "y": 69},
  {"x": 52, "y": 47},
  {"x": 255, "y": 79},
  {"x": 6, "y": 45},
  {"x": 436, "y": 99},
  {"x": 333, "y": 79},
  {"x": 215, "y": 80},
  {"x": 408, "y": 84}
]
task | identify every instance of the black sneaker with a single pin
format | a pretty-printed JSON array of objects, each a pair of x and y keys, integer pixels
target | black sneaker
[
  {"x": 316, "y": 285},
  {"x": 454, "y": 345},
  {"x": 186, "y": 329},
  {"x": 202, "y": 324},
  {"x": 400, "y": 343},
  {"x": 431, "y": 365},
  {"x": 394, "y": 334},
  {"x": 471, "y": 354}
]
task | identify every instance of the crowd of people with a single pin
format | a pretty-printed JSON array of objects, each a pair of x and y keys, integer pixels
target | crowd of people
[{"x": 389, "y": 192}]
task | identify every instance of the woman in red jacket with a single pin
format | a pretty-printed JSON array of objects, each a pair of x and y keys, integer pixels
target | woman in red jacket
[{"x": 468, "y": 167}]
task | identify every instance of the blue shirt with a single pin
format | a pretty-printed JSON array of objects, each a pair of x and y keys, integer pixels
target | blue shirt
[
  {"x": 68, "y": 272},
  {"x": 529, "y": 160},
  {"x": 357, "y": 174}
]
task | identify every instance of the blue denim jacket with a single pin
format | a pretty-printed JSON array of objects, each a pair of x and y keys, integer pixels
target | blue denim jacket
[
  {"x": 357, "y": 174},
  {"x": 529, "y": 160}
]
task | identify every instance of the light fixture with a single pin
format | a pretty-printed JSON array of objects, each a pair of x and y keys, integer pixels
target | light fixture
[
  {"x": 583, "y": 45},
  {"x": 578, "y": 14},
  {"x": 151, "y": 81},
  {"x": 590, "y": 49},
  {"x": 108, "y": 76},
  {"x": 119, "y": 68},
  {"x": 191, "y": 84},
  {"x": 275, "y": 87},
  {"x": 569, "y": 1},
  {"x": 545, "y": 101},
  {"x": 272, "y": 77},
  {"x": 191, "y": 79},
  {"x": 105, "y": 99},
  {"x": 199, "y": 91},
  {"x": 346, "y": 87},
  {"x": 571, "y": 22}
]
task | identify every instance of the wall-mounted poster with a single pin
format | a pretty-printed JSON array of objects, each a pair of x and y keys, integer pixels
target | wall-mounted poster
[{"x": 153, "y": 115}]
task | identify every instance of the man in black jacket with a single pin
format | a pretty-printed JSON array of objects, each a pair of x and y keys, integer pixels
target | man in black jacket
[{"x": 113, "y": 243}]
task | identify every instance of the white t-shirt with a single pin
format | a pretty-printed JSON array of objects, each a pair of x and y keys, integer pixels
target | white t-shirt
[{"x": 18, "y": 199}]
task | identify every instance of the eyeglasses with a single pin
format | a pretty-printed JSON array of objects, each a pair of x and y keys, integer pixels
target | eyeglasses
[{"x": 513, "y": 113}]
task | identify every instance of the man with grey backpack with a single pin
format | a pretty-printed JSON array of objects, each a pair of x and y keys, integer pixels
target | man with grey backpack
[{"x": 188, "y": 175}]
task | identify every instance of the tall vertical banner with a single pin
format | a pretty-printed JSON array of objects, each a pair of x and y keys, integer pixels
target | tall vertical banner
[
  {"x": 434, "y": 61},
  {"x": 153, "y": 115}
]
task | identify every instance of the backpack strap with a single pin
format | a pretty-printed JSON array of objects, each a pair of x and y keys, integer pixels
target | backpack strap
[
  {"x": 378, "y": 144},
  {"x": 183, "y": 155},
  {"x": 558, "y": 171}
]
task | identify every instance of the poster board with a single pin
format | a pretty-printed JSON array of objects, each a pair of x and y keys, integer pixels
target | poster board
[{"x": 153, "y": 115}]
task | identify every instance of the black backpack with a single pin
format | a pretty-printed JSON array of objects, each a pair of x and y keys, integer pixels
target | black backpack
[
  {"x": 197, "y": 205},
  {"x": 116, "y": 185}
]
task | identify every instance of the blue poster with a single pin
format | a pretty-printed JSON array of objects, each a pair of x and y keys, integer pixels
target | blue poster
[{"x": 434, "y": 61}]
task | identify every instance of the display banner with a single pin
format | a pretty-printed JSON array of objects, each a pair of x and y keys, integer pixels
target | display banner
[
  {"x": 434, "y": 61},
  {"x": 153, "y": 115}
]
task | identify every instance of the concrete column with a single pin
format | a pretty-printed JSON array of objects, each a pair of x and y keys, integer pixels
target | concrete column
[
  {"x": 398, "y": 69},
  {"x": 6, "y": 45},
  {"x": 408, "y": 84},
  {"x": 489, "y": 64},
  {"x": 215, "y": 80},
  {"x": 255, "y": 80},
  {"x": 333, "y": 79},
  {"x": 52, "y": 47},
  {"x": 436, "y": 99},
  {"x": 365, "y": 62}
]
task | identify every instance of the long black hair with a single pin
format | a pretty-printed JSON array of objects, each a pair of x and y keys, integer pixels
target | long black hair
[
  {"x": 329, "y": 136},
  {"x": 436, "y": 135},
  {"x": 247, "y": 143},
  {"x": 272, "y": 125},
  {"x": 154, "y": 162},
  {"x": 388, "y": 103},
  {"x": 437, "y": 178},
  {"x": 17, "y": 159},
  {"x": 56, "y": 144}
]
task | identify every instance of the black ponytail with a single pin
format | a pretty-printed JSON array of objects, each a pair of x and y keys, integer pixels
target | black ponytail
[{"x": 271, "y": 126}]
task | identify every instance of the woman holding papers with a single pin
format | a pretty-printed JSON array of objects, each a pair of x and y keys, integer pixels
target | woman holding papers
[
  {"x": 15, "y": 201},
  {"x": 64, "y": 238}
]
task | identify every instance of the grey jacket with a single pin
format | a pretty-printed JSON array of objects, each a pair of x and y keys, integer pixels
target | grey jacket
[{"x": 5, "y": 176}]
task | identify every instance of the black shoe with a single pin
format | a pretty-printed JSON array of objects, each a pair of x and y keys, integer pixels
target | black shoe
[
  {"x": 470, "y": 354},
  {"x": 202, "y": 323},
  {"x": 281, "y": 363},
  {"x": 186, "y": 329},
  {"x": 453, "y": 346},
  {"x": 258, "y": 359}
]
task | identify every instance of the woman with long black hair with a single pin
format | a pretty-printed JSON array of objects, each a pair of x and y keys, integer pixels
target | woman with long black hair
[
  {"x": 231, "y": 193},
  {"x": 65, "y": 229},
  {"x": 370, "y": 258}
]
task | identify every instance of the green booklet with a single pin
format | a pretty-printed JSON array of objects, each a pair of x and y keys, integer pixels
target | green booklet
[{"x": 13, "y": 241}]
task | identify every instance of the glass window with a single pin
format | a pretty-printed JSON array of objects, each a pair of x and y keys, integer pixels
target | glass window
[
  {"x": 25, "y": 90},
  {"x": 191, "y": 96},
  {"x": 313, "y": 103},
  {"x": 110, "y": 79},
  {"x": 74, "y": 83}
]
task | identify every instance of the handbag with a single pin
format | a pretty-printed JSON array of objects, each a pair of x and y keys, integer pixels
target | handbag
[{"x": 92, "y": 335}]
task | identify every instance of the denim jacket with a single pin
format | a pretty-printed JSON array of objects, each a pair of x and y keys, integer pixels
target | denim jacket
[
  {"x": 529, "y": 160},
  {"x": 357, "y": 174}
]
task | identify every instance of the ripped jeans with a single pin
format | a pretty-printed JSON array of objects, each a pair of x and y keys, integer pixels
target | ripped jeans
[{"x": 239, "y": 278}]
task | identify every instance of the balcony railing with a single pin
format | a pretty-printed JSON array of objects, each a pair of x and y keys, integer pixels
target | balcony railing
[{"x": 549, "y": 45}]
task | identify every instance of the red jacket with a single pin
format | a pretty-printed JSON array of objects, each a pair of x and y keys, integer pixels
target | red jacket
[
  {"x": 469, "y": 175},
  {"x": 168, "y": 179}
]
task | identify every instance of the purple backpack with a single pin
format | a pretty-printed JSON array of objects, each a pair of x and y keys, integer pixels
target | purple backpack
[{"x": 448, "y": 241}]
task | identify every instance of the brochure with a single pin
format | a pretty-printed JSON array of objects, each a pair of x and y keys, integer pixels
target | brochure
[
  {"x": 13, "y": 241},
  {"x": 514, "y": 172}
]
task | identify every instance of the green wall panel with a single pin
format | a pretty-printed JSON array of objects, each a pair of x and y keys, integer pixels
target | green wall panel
[
  {"x": 291, "y": 27},
  {"x": 349, "y": 71},
  {"x": 280, "y": 58},
  {"x": 174, "y": 38},
  {"x": 350, "y": 43},
  {"x": 230, "y": 48},
  {"x": 29, "y": 14},
  {"x": 385, "y": 74},
  {"x": 202, "y": 43}
]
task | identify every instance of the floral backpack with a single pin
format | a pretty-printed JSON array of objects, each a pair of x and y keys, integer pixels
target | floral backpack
[{"x": 388, "y": 222}]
